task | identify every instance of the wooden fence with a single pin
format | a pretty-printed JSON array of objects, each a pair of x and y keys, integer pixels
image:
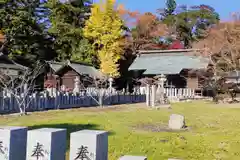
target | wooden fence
[
  {"x": 44, "y": 101},
  {"x": 90, "y": 97}
]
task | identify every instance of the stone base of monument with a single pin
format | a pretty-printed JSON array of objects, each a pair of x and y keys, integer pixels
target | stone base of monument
[
  {"x": 176, "y": 124},
  {"x": 133, "y": 158},
  {"x": 163, "y": 106},
  {"x": 157, "y": 128}
]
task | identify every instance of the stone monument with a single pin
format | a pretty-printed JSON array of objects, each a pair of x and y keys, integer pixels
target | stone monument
[
  {"x": 89, "y": 144},
  {"x": 46, "y": 144},
  {"x": 13, "y": 141},
  {"x": 176, "y": 122}
]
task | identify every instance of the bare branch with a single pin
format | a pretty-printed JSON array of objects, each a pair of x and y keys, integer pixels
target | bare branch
[{"x": 21, "y": 86}]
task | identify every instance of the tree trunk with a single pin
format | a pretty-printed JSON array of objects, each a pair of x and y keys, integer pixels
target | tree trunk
[
  {"x": 22, "y": 111},
  {"x": 100, "y": 100}
]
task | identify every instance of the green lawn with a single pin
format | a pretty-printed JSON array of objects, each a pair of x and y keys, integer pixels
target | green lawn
[{"x": 214, "y": 129}]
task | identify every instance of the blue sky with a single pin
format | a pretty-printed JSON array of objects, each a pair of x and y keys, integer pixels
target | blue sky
[{"x": 223, "y": 7}]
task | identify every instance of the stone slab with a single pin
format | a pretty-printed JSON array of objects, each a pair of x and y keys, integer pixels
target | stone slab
[
  {"x": 176, "y": 122},
  {"x": 46, "y": 144},
  {"x": 13, "y": 141},
  {"x": 127, "y": 157},
  {"x": 89, "y": 145}
]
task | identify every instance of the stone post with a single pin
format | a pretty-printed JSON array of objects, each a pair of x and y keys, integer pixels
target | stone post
[
  {"x": 13, "y": 142},
  {"x": 89, "y": 144},
  {"x": 76, "y": 85},
  {"x": 148, "y": 95},
  {"x": 153, "y": 98},
  {"x": 110, "y": 80},
  {"x": 133, "y": 158},
  {"x": 46, "y": 144}
]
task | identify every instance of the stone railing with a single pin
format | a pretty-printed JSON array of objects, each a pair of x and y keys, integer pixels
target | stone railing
[{"x": 19, "y": 143}]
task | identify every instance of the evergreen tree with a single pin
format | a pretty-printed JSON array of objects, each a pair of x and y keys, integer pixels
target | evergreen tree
[
  {"x": 24, "y": 35},
  {"x": 170, "y": 8},
  {"x": 67, "y": 21},
  {"x": 85, "y": 53},
  {"x": 189, "y": 24}
]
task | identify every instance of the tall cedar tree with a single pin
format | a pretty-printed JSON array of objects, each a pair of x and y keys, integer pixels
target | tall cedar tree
[
  {"x": 105, "y": 28},
  {"x": 67, "y": 21},
  {"x": 25, "y": 37}
]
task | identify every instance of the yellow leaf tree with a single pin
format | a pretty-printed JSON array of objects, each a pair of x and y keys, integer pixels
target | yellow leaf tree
[{"x": 104, "y": 28}]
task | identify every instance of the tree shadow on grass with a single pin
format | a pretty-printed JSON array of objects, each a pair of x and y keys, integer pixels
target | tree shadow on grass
[{"x": 70, "y": 128}]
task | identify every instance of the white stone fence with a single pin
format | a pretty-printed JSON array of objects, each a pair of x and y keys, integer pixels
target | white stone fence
[
  {"x": 171, "y": 93},
  {"x": 19, "y": 143},
  {"x": 180, "y": 92}
]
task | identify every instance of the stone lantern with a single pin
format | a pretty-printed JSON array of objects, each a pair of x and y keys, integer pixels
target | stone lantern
[{"x": 161, "y": 80}]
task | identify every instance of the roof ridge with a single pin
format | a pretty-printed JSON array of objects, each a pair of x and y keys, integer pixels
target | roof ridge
[
  {"x": 166, "y": 51},
  {"x": 81, "y": 63},
  {"x": 14, "y": 63},
  {"x": 55, "y": 62}
]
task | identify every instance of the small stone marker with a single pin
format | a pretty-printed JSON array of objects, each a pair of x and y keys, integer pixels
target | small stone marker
[
  {"x": 176, "y": 122},
  {"x": 133, "y": 158},
  {"x": 46, "y": 144},
  {"x": 148, "y": 95},
  {"x": 13, "y": 142},
  {"x": 89, "y": 144}
]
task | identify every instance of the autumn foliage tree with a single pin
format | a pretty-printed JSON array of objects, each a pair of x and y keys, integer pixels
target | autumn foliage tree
[
  {"x": 148, "y": 30},
  {"x": 222, "y": 47},
  {"x": 145, "y": 29},
  {"x": 105, "y": 29}
]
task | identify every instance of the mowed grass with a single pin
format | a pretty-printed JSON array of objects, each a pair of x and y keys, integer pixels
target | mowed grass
[{"x": 214, "y": 129}]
